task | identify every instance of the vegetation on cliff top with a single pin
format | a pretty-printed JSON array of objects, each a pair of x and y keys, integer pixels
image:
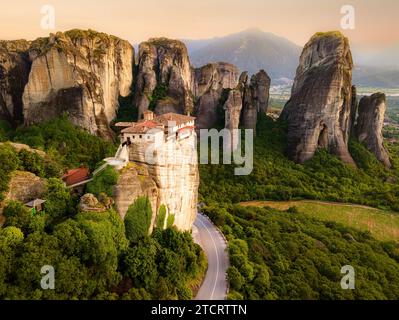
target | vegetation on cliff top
[
  {"x": 64, "y": 142},
  {"x": 90, "y": 252}
]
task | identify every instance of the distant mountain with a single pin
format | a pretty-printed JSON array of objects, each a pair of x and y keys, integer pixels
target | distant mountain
[
  {"x": 253, "y": 49},
  {"x": 371, "y": 76},
  {"x": 387, "y": 58},
  {"x": 250, "y": 50}
]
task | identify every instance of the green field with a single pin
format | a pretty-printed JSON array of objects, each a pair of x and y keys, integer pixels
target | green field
[{"x": 383, "y": 225}]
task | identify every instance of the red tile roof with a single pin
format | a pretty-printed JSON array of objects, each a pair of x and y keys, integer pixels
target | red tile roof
[
  {"x": 174, "y": 117},
  {"x": 74, "y": 176}
]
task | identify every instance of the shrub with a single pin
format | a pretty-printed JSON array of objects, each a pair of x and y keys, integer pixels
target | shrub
[
  {"x": 138, "y": 219},
  {"x": 104, "y": 182},
  {"x": 161, "y": 217}
]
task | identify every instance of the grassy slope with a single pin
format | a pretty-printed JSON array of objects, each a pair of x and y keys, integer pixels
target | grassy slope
[{"x": 382, "y": 225}]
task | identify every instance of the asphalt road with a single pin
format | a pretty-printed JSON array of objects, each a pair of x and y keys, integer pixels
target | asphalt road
[{"x": 209, "y": 238}]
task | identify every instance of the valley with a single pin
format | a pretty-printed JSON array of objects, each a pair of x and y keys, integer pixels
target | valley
[
  {"x": 382, "y": 225},
  {"x": 323, "y": 191}
]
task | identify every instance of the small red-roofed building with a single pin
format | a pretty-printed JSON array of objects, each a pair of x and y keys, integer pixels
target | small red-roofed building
[{"x": 75, "y": 176}]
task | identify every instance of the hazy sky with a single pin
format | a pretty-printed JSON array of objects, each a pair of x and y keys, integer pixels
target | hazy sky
[{"x": 377, "y": 22}]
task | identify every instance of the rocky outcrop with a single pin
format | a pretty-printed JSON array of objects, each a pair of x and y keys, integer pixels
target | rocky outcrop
[
  {"x": 171, "y": 179},
  {"x": 20, "y": 146},
  {"x": 255, "y": 98},
  {"x": 233, "y": 107},
  {"x": 318, "y": 113},
  {"x": 134, "y": 182},
  {"x": 245, "y": 102},
  {"x": 164, "y": 78},
  {"x": 25, "y": 186},
  {"x": 82, "y": 73},
  {"x": 167, "y": 83},
  {"x": 89, "y": 203},
  {"x": 370, "y": 123},
  {"x": 353, "y": 113},
  {"x": 14, "y": 73},
  {"x": 211, "y": 86}
]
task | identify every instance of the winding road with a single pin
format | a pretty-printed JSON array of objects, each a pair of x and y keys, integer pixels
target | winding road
[{"x": 212, "y": 242}]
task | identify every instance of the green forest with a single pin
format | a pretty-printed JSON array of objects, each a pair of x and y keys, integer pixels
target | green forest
[
  {"x": 96, "y": 255},
  {"x": 273, "y": 254},
  {"x": 325, "y": 177},
  {"x": 289, "y": 255}
]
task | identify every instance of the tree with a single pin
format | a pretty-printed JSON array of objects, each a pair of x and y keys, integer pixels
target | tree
[
  {"x": 171, "y": 220},
  {"x": 140, "y": 264},
  {"x": 11, "y": 239},
  {"x": 59, "y": 201},
  {"x": 161, "y": 217},
  {"x": 104, "y": 182},
  {"x": 32, "y": 162},
  {"x": 235, "y": 278},
  {"x": 138, "y": 219},
  {"x": 18, "y": 215}
]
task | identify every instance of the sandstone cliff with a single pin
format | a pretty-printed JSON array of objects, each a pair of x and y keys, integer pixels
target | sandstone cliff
[
  {"x": 171, "y": 178},
  {"x": 166, "y": 82},
  {"x": 14, "y": 73},
  {"x": 318, "y": 113},
  {"x": 245, "y": 102},
  {"x": 255, "y": 98},
  {"x": 79, "y": 72},
  {"x": 211, "y": 83},
  {"x": 164, "y": 71},
  {"x": 370, "y": 123}
]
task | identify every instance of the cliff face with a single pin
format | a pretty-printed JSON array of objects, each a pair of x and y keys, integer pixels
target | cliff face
[
  {"x": 245, "y": 101},
  {"x": 134, "y": 182},
  {"x": 167, "y": 83},
  {"x": 211, "y": 82},
  {"x": 14, "y": 73},
  {"x": 255, "y": 98},
  {"x": 164, "y": 71},
  {"x": 318, "y": 113},
  {"x": 370, "y": 123},
  {"x": 82, "y": 73},
  {"x": 171, "y": 178},
  {"x": 25, "y": 186}
]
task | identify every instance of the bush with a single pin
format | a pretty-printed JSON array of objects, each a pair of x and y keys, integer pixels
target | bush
[
  {"x": 59, "y": 203},
  {"x": 104, "y": 182},
  {"x": 138, "y": 219},
  {"x": 161, "y": 217},
  {"x": 171, "y": 220},
  {"x": 18, "y": 216}
]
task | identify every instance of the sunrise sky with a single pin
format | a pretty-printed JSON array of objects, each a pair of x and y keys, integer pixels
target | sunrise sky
[{"x": 377, "y": 22}]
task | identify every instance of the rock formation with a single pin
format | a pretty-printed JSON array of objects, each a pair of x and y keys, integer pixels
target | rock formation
[
  {"x": 233, "y": 107},
  {"x": 245, "y": 102},
  {"x": 370, "y": 123},
  {"x": 211, "y": 86},
  {"x": 164, "y": 78},
  {"x": 354, "y": 108},
  {"x": 255, "y": 98},
  {"x": 134, "y": 182},
  {"x": 89, "y": 203},
  {"x": 171, "y": 179},
  {"x": 318, "y": 113},
  {"x": 167, "y": 83},
  {"x": 14, "y": 73},
  {"x": 79, "y": 72},
  {"x": 25, "y": 186}
]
